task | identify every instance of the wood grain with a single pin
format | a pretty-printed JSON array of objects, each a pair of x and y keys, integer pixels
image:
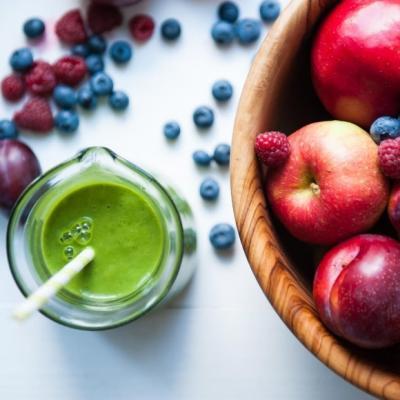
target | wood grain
[{"x": 278, "y": 95}]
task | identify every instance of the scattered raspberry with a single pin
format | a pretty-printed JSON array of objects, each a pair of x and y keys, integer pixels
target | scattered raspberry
[
  {"x": 389, "y": 158},
  {"x": 40, "y": 79},
  {"x": 13, "y": 87},
  {"x": 272, "y": 148},
  {"x": 70, "y": 70},
  {"x": 141, "y": 27},
  {"x": 35, "y": 116},
  {"x": 70, "y": 28},
  {"x": 103, "y": 17}
]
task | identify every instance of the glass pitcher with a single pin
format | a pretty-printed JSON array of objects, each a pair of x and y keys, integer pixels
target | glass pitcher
[{"x": 25, "y": 230}]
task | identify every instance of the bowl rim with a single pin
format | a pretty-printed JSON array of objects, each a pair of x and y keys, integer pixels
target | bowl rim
[{"x": 272, "y": 269}]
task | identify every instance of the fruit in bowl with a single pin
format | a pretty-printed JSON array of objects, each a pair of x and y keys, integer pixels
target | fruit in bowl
[
  {"x": 281, "y": 80},
  {"x": 356, "y": 60},
  {"x": 331, "y": 186},
  {"x": 357, "y": 291}
]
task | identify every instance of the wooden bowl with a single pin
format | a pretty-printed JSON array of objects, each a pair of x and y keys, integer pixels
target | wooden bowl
[{"x": 278, "y": 95}]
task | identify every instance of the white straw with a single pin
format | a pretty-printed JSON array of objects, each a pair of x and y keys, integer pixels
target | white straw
[{"x": 45, "y": 292}]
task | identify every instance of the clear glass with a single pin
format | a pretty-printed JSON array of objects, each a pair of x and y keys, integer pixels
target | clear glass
[{"x": 102, "y": 165}]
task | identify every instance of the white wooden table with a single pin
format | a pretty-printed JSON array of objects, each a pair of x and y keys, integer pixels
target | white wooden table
[{"x": 220, "y": 339}]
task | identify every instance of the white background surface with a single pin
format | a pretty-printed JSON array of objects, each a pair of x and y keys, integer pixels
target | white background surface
[{"x": 220, "y": 339}]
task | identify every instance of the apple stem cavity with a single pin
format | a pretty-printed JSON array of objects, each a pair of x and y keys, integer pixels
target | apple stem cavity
[{"x": 315, "y": 188}]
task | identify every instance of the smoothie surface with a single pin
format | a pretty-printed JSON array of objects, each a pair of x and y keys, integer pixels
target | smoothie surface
[{"x": 123, "y": 226}]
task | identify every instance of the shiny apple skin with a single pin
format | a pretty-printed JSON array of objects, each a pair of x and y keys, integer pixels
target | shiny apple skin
[
  {"x": 357, "y": 290},
  {"x": 394, "y": 207},
  {"x": 331, "y": 187},
  {"x": 355, "y": 60}
]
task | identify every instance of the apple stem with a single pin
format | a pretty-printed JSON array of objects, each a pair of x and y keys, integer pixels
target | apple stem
[{"x": 315, "y": 188}]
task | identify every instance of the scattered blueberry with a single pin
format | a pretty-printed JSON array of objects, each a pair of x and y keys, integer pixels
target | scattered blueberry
[
  {"x": 222, "y": 154},
  {"x": 385, "y": 128},
  {"x": 86, "y": 98},
  {"x": 270, "y": 10},
  {"x": 222, "y": 236},
  {"x": 64, "y": 96},
  {"x": 101, "y": 84},
  {"x": 209, "y": 189},
  {"x": 172, "y": 130},
  {"x": 228, "y": 11},
  {"x": 34, "y": 28},
  {"x": 8, "y": 130},
  {"x": 94, "y": 63},
  {"x": 223, "y": 32},
  {"x": 118, "y": 100},
  {"x": 222, "y": 90},
  {"x": 202, "y": 158},
  {"x": 97, "y": 44},
  {"x": 170, "y": 29},
  {"x": 248, "y": 30},
  {"x": 21, "y": 60},
  {"x": 203, "y": 117},
  {"x": 81, "y": 50},
  {"x": 121, "y": 51},
  {"x": 66, "y": 121}
]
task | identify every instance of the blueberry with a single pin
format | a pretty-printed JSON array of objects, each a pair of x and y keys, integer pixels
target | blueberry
[
  {"x": 222, "y": 154},
  {"x": 222, "y": 236},
  {"x": 21, "y": 59},
  {"x": 172, "y": 130},
  {"x": 228, "y": 11},
  {"x": 202, "y": 158},
  {"x": 203, "y": 117},
  {"x": 222, "y": 90},
  {"x": 94, "y": 63},
  {"x": 223, "y": 32},
  {"x": 170, "y": 29},
  {"x": 270, "y": 10},
  {"x": 86, "y": 98},
  {"x": 209, "y": 189},
  {"x": 66, "y": 121},
  {"x": 384, "y": 128},
  {"x": 81, "y": 50},
  {"x": 101, "y": 84},
  {"x": 247, "y": 30},
  {"x": 64, "y": 96},
  {"x": 97, "y": 44},
  {"x": 34, "y": 28},
  {"x": 118, "y": 100},
  {"x": 121, "y": 51},
  {"x": 8, "y": 130}
]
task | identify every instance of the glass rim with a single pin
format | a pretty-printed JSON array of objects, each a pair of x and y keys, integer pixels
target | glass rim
[{"x": 150, "y": 179}]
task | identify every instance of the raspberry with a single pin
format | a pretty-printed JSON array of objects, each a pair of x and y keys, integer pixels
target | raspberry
[
  {"x": 103, "y": 17},
  {"x": 389, "y": 158},
  {"x": 35, "y": 116},
  {"x": 141, "y": 27},
  {"x": 70, "y": 28},
  {"x": 70, "y": 70},
  {"x": 13, "y": 87},
  {"x": 272, "y": 148},
  {"x": 40, "y": 79}
]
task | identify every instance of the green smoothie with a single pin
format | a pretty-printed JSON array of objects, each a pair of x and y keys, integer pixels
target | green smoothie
[{"x": 121, "y": 223}]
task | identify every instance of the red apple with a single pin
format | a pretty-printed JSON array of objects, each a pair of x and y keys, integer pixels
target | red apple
[
  {"x": 394, "y": 207},
  {"x": 357, "y": 291},
  {"x": 331, "y": 187},
  {"x": 356, "y": 60}
]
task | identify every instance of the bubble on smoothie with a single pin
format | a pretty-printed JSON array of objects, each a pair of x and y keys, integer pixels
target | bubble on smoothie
[
  {"x": 76, "y": 230},
  {"x": 84, "y": 238},
  {"x": 69, "y": 252},
  {"x": 66, "y": 237},
  {"x": 86, "y": 224}
]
